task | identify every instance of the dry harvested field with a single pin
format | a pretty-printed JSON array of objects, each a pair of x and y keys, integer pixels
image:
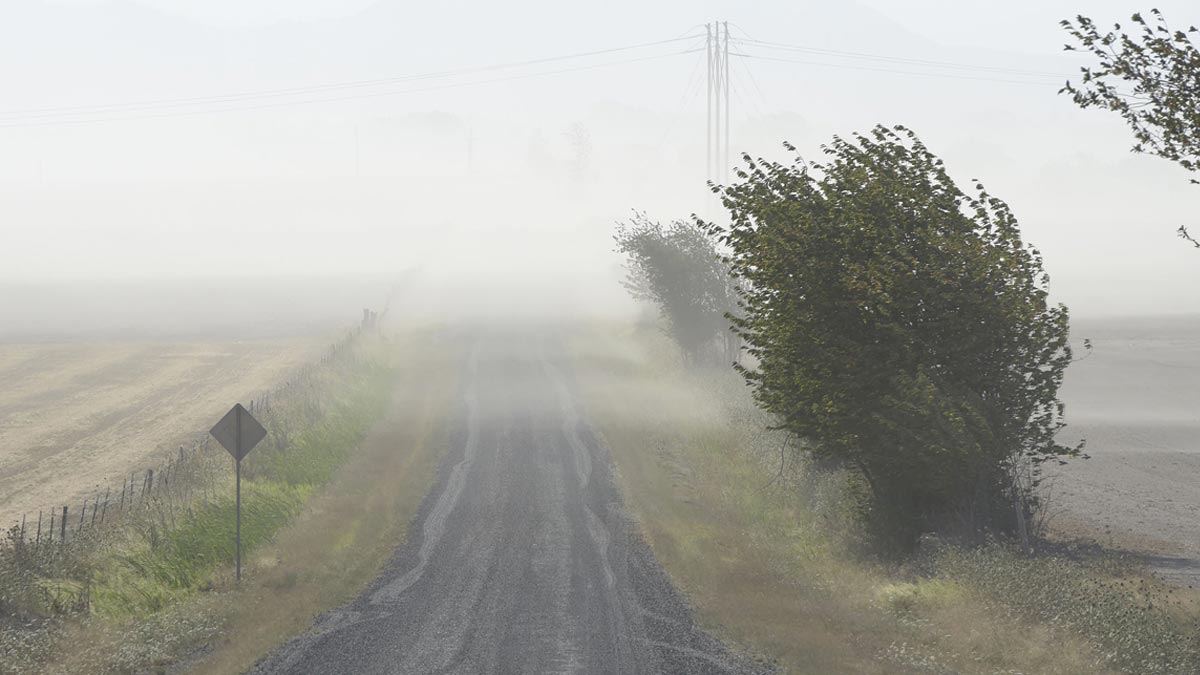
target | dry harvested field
[
  {"x": 77, "y": 416},
  {"x": 1136, "y": 400}
]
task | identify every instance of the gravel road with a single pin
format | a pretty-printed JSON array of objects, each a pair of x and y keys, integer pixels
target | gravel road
[{"x": 522, "y": 558}]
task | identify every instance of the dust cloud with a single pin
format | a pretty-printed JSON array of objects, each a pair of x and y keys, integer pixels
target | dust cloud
[{"x": 229, "y": 171}]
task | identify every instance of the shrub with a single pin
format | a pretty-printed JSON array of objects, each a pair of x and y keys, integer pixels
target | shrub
[{"x": 900, "y": 327}]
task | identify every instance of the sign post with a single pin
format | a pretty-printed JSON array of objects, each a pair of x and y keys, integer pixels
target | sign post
[{"x": 238, "y": 432}]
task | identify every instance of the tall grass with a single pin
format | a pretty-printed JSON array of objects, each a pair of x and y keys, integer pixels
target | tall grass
[
  {"x": 771, "y": 550},
  {"x": 146, "y": 575},
  {"x": 179, "y": 540}
]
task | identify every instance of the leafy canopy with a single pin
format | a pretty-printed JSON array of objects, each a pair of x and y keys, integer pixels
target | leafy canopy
[
  {"x": 1160, "y": 67},
  {"x": 900, "y": 326},
  {"x": 678, "y": 269}
]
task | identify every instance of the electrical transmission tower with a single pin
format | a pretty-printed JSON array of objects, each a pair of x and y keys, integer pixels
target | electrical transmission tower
[{"x": 716, "y": 47}]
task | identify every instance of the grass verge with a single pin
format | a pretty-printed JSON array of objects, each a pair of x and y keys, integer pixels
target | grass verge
[
  {"x": 767, "y": 551},
  {"x": 321, "y": 514}
]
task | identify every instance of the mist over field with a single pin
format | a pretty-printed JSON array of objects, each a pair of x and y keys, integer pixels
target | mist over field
[
  {"x": 134, "y": 309},
  {"x": 528, "y": 173},
  {"x": 468, "y": 266}
]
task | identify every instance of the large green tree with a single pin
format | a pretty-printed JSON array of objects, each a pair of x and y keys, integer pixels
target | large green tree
[
  {"x": 677, "y": 268},
  {"x": 1151, "y": 78},
  {"x": 899, "y": 326}
]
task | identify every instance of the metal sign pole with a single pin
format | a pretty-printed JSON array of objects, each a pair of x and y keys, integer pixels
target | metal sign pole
[
  {"x": 238, "y": 463},
  {"x": 238, "y": 432}
]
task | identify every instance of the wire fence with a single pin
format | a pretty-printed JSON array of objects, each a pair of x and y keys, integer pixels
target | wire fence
[{"x": 183, "y": 478}]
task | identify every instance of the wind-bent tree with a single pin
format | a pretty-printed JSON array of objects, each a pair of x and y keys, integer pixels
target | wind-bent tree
[
  {"x": 1159, "y": 68},
  {"x": 899, "y": 326},
  {"x": 677, "y": 268}
]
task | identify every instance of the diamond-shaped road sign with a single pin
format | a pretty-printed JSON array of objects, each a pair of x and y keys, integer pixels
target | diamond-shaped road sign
[{"x": 238, "y": 431}]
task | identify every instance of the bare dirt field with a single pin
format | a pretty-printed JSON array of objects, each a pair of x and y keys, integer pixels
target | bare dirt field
[
  {"x": 75, "y": 417},
  {"x": 1136, "y": 401}
]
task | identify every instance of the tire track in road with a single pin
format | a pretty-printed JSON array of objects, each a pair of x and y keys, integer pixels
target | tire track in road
[
  {"x": 435, "y": 523},
  {"x": 583, "y": 460},
  {"x": 597, "y": 530},
  {"x": 522, "y": 558}
]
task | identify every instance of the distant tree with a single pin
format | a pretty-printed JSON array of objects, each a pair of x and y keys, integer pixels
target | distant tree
[
  {"x": 677, "y": 268},
  {"x": 1161, "y": 66},
  {"x": 581, "y": 151},
  {"x": 900, "y": 327}
]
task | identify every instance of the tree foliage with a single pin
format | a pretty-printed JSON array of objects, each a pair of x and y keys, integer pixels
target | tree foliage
[
  {"x": 677, "y": 268},
  {"x": 1161, "y": 67},
  {"x": 900, "y": 326}
]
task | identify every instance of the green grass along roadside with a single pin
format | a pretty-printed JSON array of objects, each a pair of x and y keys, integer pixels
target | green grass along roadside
[
  {"x": 768, "y": 560},
  {"x": 143, "y": 575},
  {"x": 352, "y": 527},
  {"x": 319, "y": 519}
]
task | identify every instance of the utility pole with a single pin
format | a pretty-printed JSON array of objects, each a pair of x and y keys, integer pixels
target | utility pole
[
  {"x": 717, "y": 52},
  {"x": 715, "y": 174},
  {"x": 709, "y": 50},
  {"x": 727, "y": 117}
]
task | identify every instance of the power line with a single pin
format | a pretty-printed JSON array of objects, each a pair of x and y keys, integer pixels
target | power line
[
  {"x": 237, "y": 97},
  {"x": 743, "y": 30},
  {"x": 306, "y": 95},
  {"x": 897, "y": 59},
  {"x": 688, "y": 32},
  {"x": 691, "y": 88},
  {"x": 894, "y": 71},
  {"x": 754, "y": 81},
  {"x": 745, "y": 99},
  {"x": 189, "y": 113},
  {"x": 690, "y": 91}
]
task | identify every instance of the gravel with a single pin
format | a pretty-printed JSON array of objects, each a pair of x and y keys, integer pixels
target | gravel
[{"x": 522, "y": 559}]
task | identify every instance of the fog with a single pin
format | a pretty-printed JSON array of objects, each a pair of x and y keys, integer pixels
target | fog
[
  {"x": 122, "y": 156},
  {"x": 203, "y": 202},
  {"x": 183, "y": 309}
]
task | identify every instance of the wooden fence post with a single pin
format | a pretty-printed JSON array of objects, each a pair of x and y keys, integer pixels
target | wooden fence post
[
  {"x": 50, "y": 535},
  {"x": 106, "y": 492},
  {"x": 38, "y": 541},
  {"x": 171, "y": 508},
  {"x": 62, "y": 524}
]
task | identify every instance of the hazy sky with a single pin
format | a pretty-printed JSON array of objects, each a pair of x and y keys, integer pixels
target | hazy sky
[{"x": 168, "y": 183}]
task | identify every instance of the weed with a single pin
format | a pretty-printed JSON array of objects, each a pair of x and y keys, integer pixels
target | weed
[
  {"x": 771, "y": 550},
  {"x": 176, "y": 540},
  {"x": 1137, "y": 624}
]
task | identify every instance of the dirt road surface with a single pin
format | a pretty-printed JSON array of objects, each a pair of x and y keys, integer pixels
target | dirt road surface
[{"x": 522, "y": 559}]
